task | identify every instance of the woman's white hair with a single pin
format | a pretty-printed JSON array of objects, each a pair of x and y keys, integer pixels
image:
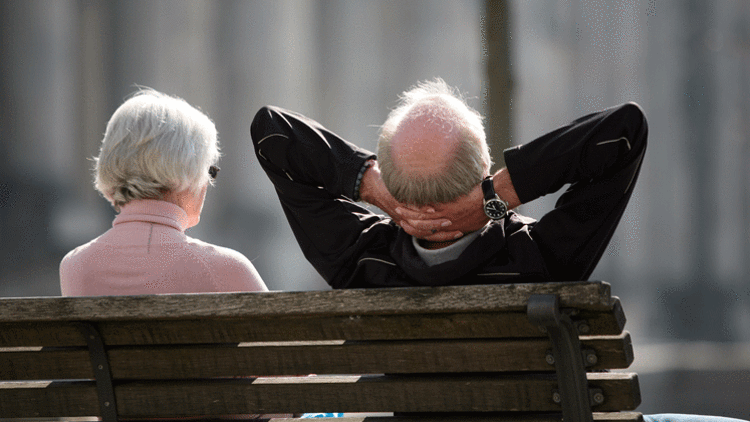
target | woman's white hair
[
  {"x": 470, "y": 162},
  {"x": 155, "y": 143}
]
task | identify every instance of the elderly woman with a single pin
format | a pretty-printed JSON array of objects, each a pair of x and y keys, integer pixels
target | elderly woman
[{"x": 156, "y": 161}]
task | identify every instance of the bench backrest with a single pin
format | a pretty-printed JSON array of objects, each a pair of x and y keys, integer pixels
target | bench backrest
[{"x": 470, "y": 350}]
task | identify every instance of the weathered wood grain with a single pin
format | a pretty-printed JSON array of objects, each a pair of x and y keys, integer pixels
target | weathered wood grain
[
  {"x": 621, "y": 390},
  {"x": 612, "y": 352},
  {"x": 311, "y": 394},
  {"x": 307, "y": 394},
  {"x": 48, "y": 399},
  {"x": 354, "y": 358},
  {"x": 311, "y": 327},
  {"x": 178, "y": 355},
  {"x": 448, "y": 299},
  {"x": 22, "y": 334},
  {"x": 357, "y": 394},
  {"x": 46, "y": 364},
  {"x": 227, "y": 360}
]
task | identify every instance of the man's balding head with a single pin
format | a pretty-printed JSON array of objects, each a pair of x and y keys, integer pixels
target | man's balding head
[{"x": 432, "y": 146}]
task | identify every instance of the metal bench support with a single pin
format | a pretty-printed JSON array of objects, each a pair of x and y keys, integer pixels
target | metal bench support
[
  {"x": 544, "y": 311},
  {"x": 102, "y": 374}
]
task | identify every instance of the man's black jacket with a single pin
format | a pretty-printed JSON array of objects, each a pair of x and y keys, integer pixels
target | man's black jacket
[{"x": 315, "y": 171}]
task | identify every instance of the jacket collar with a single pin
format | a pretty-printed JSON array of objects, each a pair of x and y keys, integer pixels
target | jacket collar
[
  {"x": 153, "y": 211},
  {"x": 485, "y": 247}
]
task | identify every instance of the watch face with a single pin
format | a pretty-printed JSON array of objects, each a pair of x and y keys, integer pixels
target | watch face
[{"x": 495, "y": 209}]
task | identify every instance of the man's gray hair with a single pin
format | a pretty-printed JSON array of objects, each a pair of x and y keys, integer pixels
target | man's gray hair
[
  {"x": 155, "y": 143},
  {"x": 470, "y": 162}
]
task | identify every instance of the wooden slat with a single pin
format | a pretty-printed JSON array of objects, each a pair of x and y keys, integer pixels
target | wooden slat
[
  {"x": 355, "y": 358},
  {"x": 24, "y": 334},
  {"x": 227, "y": 360},
  {"x": 46, "y": 364},
  {"x": 355, "y": 394},
  {"x": 354, "y": 327},
  {"x": 612, "y": 352},
  {"x": 48, "y": 399},
  {"x": 603, "y": 323},
  {"x": 618, "y": 417},
  {"x": 449, "y": 299},
  {"x": 385, "y": 327},
  {"x": 621, "y": 390},
  {"x": 351, "y": 327}
]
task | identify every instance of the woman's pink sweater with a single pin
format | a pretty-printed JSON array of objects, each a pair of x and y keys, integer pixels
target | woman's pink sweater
[{"x": 146, "y": 252}]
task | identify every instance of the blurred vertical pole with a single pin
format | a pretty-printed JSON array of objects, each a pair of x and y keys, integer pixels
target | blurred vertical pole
[
  {"x": 6, "y": 118},
  {"x": 743, "y": 47},
  {"x": 130, "y": 50},
  {"x": 699, "y": 119},
  {"x": 94, "y": 38},
  {"x": 6, "y": 106},
  {"x": 498, "y": 95},
  {"x": 701, "y": 311},
  {"x": 743, "y": 19}
]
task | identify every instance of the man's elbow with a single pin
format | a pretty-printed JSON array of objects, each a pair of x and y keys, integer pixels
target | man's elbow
[
  {"x": 261, "y": 122},
  {"x": 635, "y": 118},
  {"x": 634, "y": 113}
]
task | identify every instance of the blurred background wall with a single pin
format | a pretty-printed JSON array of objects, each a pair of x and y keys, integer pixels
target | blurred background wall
[{"x": 680, "y": 260}]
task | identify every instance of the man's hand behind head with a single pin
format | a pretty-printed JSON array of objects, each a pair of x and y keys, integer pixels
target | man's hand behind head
[
  {"x": 465, "y": 214},
  {"x": 438, "y": 222},
  {"x": 424, "y": 225}
]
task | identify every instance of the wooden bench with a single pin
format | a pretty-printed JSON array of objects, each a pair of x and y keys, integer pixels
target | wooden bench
[{"x": 461, "y": 353}]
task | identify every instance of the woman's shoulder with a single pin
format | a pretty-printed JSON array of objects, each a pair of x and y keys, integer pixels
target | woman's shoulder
[
  {"x": 212, "y": 251},
  {"x": 81, "y": 252},
  {"x": 78, "y": 262},
  {"x": 227, "y": 266}
]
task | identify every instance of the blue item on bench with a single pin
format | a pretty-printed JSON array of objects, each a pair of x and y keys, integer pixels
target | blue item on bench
[
  {"x": 687, "y": 418},
  {"x": 322, "y": 415}
]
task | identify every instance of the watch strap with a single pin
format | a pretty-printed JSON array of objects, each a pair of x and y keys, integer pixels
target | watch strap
[
  {"x": 488, "y": 189},
  {"x": 494, "y": 207}
]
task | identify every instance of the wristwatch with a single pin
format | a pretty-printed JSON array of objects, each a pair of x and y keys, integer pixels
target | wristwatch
[{"x": 494, "y": 207}]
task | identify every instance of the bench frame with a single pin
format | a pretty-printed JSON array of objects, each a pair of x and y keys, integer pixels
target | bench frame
[
  {"x": 574, "y": 395},
  {"x": 546, "y": 307}
]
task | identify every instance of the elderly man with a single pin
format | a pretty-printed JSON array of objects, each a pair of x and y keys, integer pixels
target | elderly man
[{"x": 450, "y": 221}]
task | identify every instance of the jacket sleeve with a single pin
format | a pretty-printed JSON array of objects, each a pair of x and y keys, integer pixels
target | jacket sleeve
[
  {"x": 314, "y": 172},
  {"x": 300, "y": 149},
  {"x": 599, "y": 156}
]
